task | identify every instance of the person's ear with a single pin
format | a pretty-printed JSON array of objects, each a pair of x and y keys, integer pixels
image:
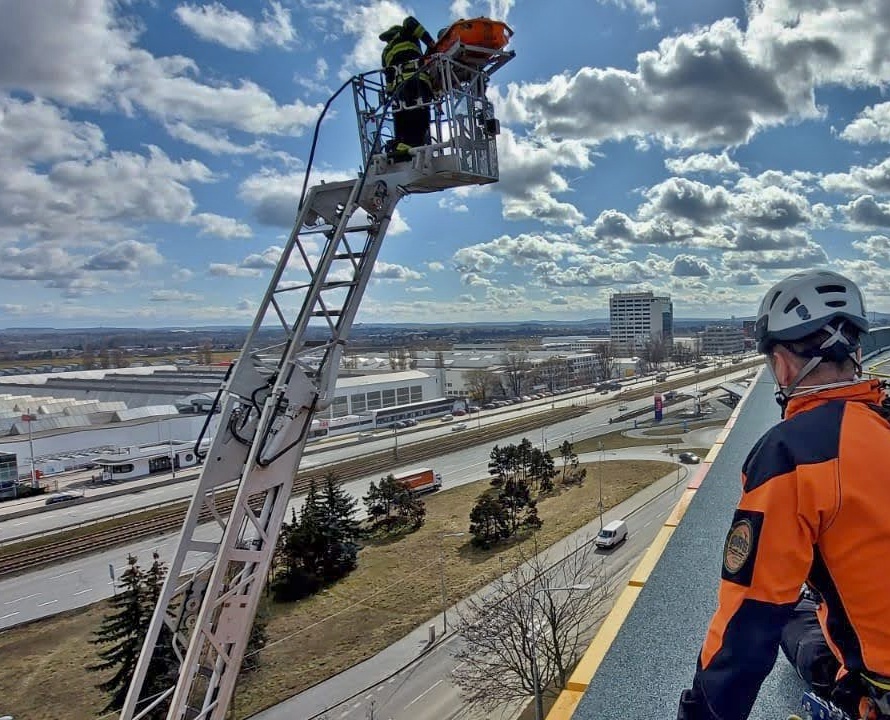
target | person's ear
[{"x": 783, "y": 366}]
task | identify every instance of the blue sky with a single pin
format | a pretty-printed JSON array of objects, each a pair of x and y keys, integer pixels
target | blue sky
[{"x": 151, "y": 155}]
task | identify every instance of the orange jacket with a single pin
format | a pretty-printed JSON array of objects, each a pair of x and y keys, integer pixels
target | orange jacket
[{"x": 815, "y": 506}]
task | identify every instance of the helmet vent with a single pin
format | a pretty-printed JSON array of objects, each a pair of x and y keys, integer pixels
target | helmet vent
[
  {"x": 836, "y": 303},
  {"x": 793, "y": 304},
  {"x": 822, "y": 289}
]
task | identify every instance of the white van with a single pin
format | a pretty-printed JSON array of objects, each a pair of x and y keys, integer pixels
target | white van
[{"x": 612, "y": 534}]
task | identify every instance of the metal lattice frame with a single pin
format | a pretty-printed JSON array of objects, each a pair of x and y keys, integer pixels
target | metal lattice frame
[{"x": 216, "y": 576}]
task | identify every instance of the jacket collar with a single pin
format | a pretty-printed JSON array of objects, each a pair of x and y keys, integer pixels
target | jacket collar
[{"x": 867, "y": 391}]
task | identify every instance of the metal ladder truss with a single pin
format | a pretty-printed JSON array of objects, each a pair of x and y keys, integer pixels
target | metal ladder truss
[
  {"x": 217, "y": 574},
  {"x": 287, "y": 372}
]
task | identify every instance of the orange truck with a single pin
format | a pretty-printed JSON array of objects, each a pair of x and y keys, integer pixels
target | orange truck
[{"x": 420, "y": 480}]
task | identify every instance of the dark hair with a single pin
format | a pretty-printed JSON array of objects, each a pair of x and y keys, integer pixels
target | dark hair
[{"x": 810, "y": 345}]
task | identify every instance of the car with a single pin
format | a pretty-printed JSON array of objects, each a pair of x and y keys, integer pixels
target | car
[
  {"x": 622, "y": 407},
  {"x": 410, "y": 422},
  {"x": 689, "y": 458},
  {"x": 459, "y": 413},
  {"x": 489, "y": 406},
  {"x": 366, "y": 434},
  {"x": 398, "y": 425},
  {"x": 612, "y": 534},
  {"x": 604, "y": 392},
  {"x": 446, "y": 418},
  {"x": 62, "y": 497},
  {"x": 473, "y": 409},
  {"x": 459, "y": 426}
]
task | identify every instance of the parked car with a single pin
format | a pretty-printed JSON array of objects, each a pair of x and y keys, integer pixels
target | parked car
[
  {"x": 410, "y": 422},
  {"x": 689, "y": 458},
  {"x": 446, "y": 418},
  {"x": 62, "y": 497},
  {"x": 459, "y": 413},
  {"x": 459, "y": 426},
  {"x": 612, "y": 534},
  {"x": 622, "y": 407},
  {"x": 473, "y": 409},
  {"x": 399, "y": 424},
  {"x": 489, "y": 406}
]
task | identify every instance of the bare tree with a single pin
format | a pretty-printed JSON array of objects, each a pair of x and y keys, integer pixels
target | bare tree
[
  {"x": 516, "y": 367},
  {"x": 482, "y": 384},
  {"x": 605, "y": 361},
  {"x": 523, "y": 619}
]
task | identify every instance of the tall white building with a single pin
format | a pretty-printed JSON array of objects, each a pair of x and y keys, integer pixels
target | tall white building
[{"x": 634, "y": 318}]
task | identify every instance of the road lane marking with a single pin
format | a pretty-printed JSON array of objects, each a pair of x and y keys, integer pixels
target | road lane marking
[
  {"x": 48, "y": 602},
  {"x": 70, "y": 572},
  {"x": 81, "y": 592},
  {"x": 27, "y": 597},
  {"x": 3, "y": 617},
  {"x": 429, "y": 689}
]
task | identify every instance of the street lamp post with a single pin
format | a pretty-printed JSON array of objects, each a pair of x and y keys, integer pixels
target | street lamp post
[
  {"x": 31, "y": 449},
  {"x": 600, "y": 474},
  {"x": 395, "y": 433},
  {"x": 442, "y": 577},
  {"x": 536, "y": 678}
]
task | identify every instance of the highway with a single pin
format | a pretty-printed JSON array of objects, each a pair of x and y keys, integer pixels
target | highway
[
  {"x": 324, "y": 452},
  {"x": 86, "y": 580},
  {"x": 424, "y": 689}
]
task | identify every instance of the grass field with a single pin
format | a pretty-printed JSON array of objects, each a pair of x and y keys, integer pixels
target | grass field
[{"x": 395, "y": 588}]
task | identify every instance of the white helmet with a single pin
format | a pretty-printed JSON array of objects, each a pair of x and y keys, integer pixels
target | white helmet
[{"x": 804, "y": 304}]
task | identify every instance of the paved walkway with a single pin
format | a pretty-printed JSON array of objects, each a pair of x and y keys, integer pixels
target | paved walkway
[{"x": 356, "y": 680}]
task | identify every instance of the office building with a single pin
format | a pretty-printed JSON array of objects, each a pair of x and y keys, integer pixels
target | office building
[{"x": 636, "y": 318}]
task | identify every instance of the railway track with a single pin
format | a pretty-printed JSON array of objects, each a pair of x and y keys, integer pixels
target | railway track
[{"x": 28, "y": 555}]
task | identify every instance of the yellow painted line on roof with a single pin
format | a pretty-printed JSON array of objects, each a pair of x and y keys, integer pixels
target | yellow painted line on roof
[
  {"x": 603, "y": 639},
  {"x": 723, "y": 434},
  {"x": 680, "y": 508},
  {"x": 647, "y": 564},
  {"x": 712, "y": 453},
  {"x": 565, "y": 705}
]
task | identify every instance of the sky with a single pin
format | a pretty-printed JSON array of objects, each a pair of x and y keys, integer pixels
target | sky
[{"x": 152, "y": 154}]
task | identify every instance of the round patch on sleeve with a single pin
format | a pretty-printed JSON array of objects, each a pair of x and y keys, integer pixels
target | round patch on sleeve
[{"x": 738, "y": 547}]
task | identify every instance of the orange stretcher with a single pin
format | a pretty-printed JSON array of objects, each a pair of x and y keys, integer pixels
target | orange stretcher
[{"x": 479, "y": 32}]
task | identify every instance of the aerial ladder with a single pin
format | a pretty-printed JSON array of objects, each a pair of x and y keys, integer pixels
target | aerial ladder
[{"x": 286, "y": 373}]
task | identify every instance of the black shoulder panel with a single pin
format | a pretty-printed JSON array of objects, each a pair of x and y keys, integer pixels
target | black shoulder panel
[{"x": 808, "y": 438}]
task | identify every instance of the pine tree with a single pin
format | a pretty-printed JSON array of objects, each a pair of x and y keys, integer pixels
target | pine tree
[
  {"x": 489, "y": 522},
  {"x": 123, "y": 631},
  {"x": 338, "y": 531},
  {"x": 164, "y": 666}
]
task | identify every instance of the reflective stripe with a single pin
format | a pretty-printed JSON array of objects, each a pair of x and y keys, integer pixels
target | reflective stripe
[{"x": 393, "y": 49}]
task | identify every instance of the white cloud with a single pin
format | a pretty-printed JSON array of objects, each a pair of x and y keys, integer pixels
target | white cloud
[
  {"x": 876, "y": 247},
  {"x": 231, "y": 270},
  {"x": 173, "y": 296},
  {"x": 84, "y": 53},
  {"x": 529, "y": 180},
  {"x": 875, "y": 178},
  {"x": 182, "y": 275},
  {"x": 871, "y": 125},
  {"x": 216, "y": 142},
  {"x": 460, "y": 9},
  {"x": 366, "y": 22},
  {"x": 720, "y": 164},
  {"x": 125, "y": 256},
  {"x": 391, "y": 271},
  {"x": 690, "y": 266},
  {"x": 216, "y": 23},
  {"x": 646, "y": 8},
  {"x": 866, "y": 212},
  {"x": 37, "y": 131},
  {"x": 221, "y": 226},
  {"x": 716, "y": 85},
  {"x": 276, "y": 196},
  {"x": 435, "y": 266}
]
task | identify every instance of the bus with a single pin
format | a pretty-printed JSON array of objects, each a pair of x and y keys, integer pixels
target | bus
[
  {"x": 331, "y": 427},
  {"x": 385, "y": 417}
]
